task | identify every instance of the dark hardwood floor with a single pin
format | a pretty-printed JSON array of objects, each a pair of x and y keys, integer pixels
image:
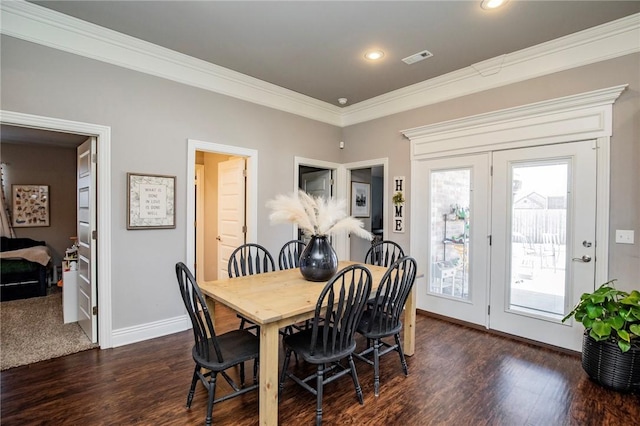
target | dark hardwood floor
[{"x": 458, "y": 376}]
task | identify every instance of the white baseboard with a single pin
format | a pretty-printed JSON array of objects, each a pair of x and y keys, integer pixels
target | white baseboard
[{"x": 151, "y": 330}]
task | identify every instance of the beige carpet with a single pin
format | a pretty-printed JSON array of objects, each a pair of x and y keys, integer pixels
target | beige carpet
[{"x": 32, "y": 330}]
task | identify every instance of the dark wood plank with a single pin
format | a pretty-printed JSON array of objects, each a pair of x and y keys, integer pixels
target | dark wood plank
[{"x": 458, "y": 376}]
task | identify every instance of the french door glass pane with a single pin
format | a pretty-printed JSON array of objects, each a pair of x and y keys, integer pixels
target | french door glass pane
[
  {"x": 450, "y": 201},
  {"x": 538, "y": 238}
]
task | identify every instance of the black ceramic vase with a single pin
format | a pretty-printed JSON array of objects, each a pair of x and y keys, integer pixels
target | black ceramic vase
[{"x": 318, "y": 261}]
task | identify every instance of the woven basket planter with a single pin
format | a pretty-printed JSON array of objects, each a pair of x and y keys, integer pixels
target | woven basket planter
[{"x": 608, "y": 366}]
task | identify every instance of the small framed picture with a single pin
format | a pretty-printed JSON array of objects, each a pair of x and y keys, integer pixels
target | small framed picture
[
  {"x": 30, "y": 205},
  {"x": 360, "y": 199},
  {"x": 151, "y": 201}
]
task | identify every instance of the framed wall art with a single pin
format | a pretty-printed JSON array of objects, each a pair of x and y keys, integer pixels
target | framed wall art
[
  {"x": 30, "y": 205},
  {"x": 151, "y": 201},
  {"x": 360, "y": 199}
]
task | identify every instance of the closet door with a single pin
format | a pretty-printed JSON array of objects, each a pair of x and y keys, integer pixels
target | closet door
[{"x": 452, "y": 221}]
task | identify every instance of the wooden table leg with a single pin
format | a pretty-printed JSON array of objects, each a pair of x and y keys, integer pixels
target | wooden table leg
[
  {"x": 269, "y": 374},
  {"x": 410, "y": 324}
]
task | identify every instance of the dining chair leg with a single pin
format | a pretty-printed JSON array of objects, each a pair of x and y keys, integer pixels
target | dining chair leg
[
  {"x": 283, "y": 375},
  {"x": 255, "y": 371},
  {"x": 403, "y": 361},
  {"x": 376, "y": 366},
  {"x": 212, "y": 393},
  {"x": 356, "y": 383},
  {"x": 242, "y": 374},
  {"x": 319, "y": 388},
  {"x": 192, "y": 390}
]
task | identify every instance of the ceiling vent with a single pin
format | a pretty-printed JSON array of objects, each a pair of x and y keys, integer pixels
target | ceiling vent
[{"x": 417, "y": 57}]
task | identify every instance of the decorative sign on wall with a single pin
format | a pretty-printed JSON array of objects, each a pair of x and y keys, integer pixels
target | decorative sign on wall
[
  {"x": 398, "y": 204},
  {"x": 151, "y": 201},
  {"x": 30, "y": 205}
]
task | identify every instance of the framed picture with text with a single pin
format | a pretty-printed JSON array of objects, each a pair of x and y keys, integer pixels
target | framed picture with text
[{"x": 151, "y": 201}]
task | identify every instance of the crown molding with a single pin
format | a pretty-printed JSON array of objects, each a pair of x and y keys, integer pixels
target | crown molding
[
  {"x": 28, "y": 21},
  {"x": 607, "y": 41}
]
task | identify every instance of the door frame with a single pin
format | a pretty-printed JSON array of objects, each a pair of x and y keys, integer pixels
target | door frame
[
  {"x": 339, "y": 243},
  {"x": 384, "y": 163},
  {"x": 572, "y": 118},
  {"x": 251, "y": 155},
  {"x": 103, "y": 200}
]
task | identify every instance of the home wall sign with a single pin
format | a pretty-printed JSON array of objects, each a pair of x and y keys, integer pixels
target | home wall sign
[
  {"x": 398, "y": 204},
  {"x": 151, "y": 201}
]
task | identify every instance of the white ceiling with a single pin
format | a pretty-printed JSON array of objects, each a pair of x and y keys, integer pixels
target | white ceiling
[{"x": 316, "y": 48}]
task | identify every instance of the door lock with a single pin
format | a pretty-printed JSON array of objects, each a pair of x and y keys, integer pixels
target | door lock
[{"x": 585, "y": 259}]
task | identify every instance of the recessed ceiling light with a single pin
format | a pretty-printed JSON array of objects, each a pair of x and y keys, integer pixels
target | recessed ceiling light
[
  {"x": 492, "y": 4},
  {"x": 374, "y": 55}
]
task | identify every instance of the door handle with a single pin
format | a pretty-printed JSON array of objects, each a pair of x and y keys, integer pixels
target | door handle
[
  {"x": 218, "y": 238},
  {"x": 585, "y": 259}
]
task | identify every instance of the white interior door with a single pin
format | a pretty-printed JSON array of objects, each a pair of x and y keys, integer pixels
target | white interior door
[
  {"x": 454, "y": 211},
  {"x": 231, "y": 210},
  {"x": 543, "y": 226},
  {"x": 86, "y": 224},
  {"x": 317, "y": 183}
]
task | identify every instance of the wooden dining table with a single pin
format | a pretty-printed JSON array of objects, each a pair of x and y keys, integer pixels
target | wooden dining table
[{"x": 274, "y": 300}]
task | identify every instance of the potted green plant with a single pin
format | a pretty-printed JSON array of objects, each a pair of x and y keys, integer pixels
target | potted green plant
[{"x": 611, "y": 342}]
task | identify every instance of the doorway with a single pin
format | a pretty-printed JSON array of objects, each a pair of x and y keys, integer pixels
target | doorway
[
  {"x": 532, "y": 143},
  {"x": 101, "y": 273},
  {"x": 541, "y": 209},
  {"x": 207, "y": 232}
]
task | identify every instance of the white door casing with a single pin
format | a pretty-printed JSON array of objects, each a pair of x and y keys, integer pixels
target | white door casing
[
  {"x": 251, "y": 158},
  {"x": 200, "y": 222},
  {"x": 339, "y": 242},
  {"x": 586, "y": 116},
  {"x": 231, "y": 210},
  {"x": 86, "y": 224}
]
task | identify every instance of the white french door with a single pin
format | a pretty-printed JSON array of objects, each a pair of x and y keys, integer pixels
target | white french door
[
  {"x": 543, "y": 231},
  {"x": 456, "y": 247},
  {"x": 512, "y": 251}
]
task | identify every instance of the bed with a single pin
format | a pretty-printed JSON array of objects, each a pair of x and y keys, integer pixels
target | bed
[{"x": 23, "y": 268}]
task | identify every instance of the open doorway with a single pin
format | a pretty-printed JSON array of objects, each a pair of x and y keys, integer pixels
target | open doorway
[
  {"x": 219, "y": 171},
  {"x": 101, "y": 274},
  {"x": 371, "y": 175}
]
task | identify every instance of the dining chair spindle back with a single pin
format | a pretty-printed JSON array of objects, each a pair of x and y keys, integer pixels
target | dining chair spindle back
[
  {"x": 331, "y": 336},
  {"x": 215, "y": 354},
  {"x": 382, "y": 317}
]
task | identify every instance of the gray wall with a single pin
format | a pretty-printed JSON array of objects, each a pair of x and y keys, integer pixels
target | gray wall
[
  {"x": 151, "y": 120},
  {"x": 52, "y": 166},
  {"x": 382, "y": 137}
]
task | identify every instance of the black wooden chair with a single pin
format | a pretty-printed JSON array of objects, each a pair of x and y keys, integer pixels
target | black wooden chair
[
  {"x": 215, "y": 354},
  {"x": 249, "y": 259},
  {"x": 289, "y": 256},
  {"x": 382, "y": 318},
  {"x": 331, "y": 336},
  {"x": 383, "y": 253}
]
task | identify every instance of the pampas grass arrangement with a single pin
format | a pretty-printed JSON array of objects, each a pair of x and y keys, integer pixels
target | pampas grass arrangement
[{"x": 315, "y": 215}]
